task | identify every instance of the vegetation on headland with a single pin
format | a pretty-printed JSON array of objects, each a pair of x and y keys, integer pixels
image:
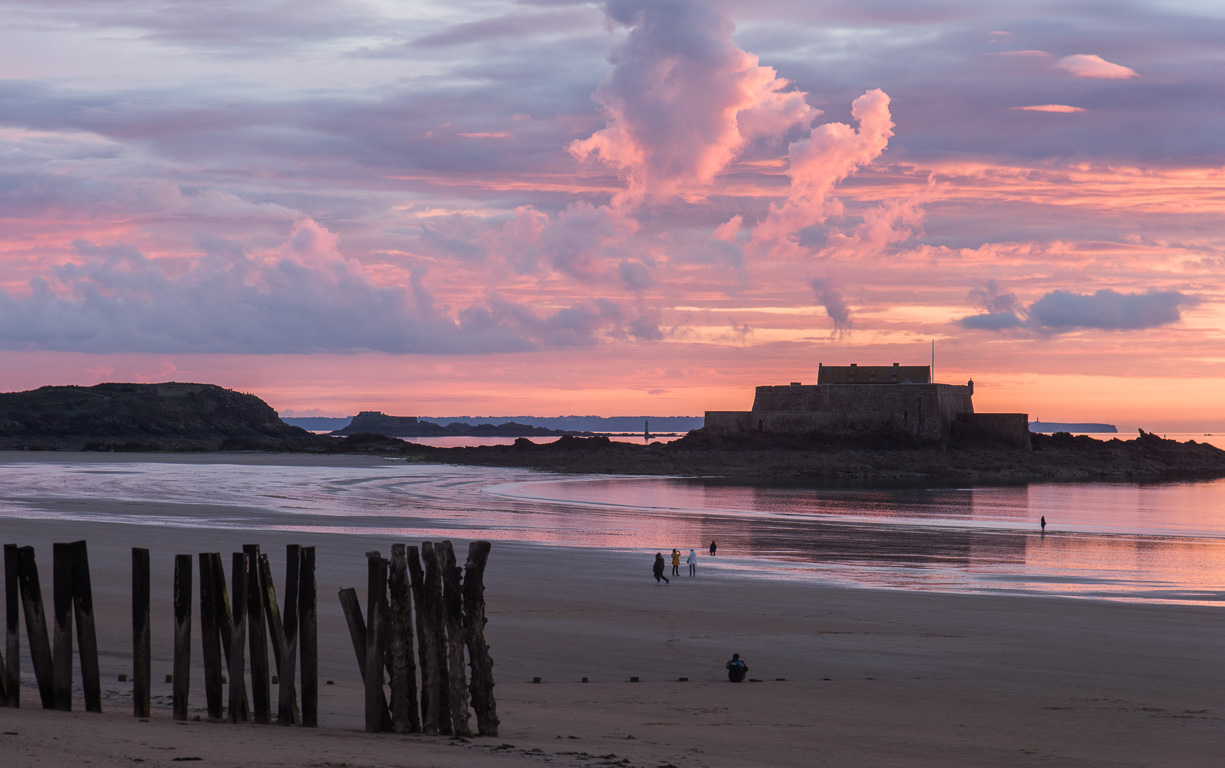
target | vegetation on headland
[{"x": 203, "y": 418}]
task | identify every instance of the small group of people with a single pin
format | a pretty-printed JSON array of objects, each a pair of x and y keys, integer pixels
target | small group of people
[
  {"x": 658, "y": 568},
  {"x": 691, "y": 559}
]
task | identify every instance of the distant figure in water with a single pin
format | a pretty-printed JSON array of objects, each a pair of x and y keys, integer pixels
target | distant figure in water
[
  {"x": 693, "y": 563},
  {"x": 658, "y": 568},
  {"x": 1044, "y": 523},
  {"x": 676, "y": 562},
  {"x": 736, "y": 669},
  {"x": 713, "y": 547}
]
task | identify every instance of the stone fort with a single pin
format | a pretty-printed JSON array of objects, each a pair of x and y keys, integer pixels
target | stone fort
[{"x": 897, "y": 401}]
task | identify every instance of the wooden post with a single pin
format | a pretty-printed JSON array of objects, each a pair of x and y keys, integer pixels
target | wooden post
[
  {"x": 257, "y": 631},
  {"x": 36, "y": 624},
  {"x": 437, "y": 628},
  {"x": 405, "y": 716},
  {"x": 276, "y": 631},
  {"x": 308, "y": 638},
  {"x": 286, "y": 713},
  {"x": 453, "y": 619},
  {"x": 425, "y": 644},
  {"x": 182, "y": 634},
  {"x": 376, "y": 610},
  {"x": 481, "y": 686},
  {"x": 238, "y": 638},
  {"x": 87, "y": 635},
  {"x": 225, "y": 627},
  {"x": 357, "y": 634},
  {"x": 61, "y": 638},
  {"x": 12, "y": 625},
  {"x": 210, "y": 641},
  {"x": 141, "y": 658}
]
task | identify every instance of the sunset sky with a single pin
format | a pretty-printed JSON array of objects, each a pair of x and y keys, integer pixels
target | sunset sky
[{"x": 634, "y": 207}]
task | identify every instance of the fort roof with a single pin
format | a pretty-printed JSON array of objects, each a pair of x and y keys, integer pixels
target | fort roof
[{"x": 873, "y": 374}]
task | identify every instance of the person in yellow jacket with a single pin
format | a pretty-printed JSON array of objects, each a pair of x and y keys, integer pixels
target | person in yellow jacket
[{"x": 676, "y": 562}]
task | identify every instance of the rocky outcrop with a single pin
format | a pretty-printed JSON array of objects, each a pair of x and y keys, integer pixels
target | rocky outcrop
[{"x": 137, "y": 417}]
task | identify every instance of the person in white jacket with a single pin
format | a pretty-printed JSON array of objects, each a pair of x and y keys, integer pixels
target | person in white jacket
[{"x": 693, "y": 562}]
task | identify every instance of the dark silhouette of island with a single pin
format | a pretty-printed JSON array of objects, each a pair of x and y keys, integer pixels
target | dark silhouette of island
[
  {"x": 377, "y": 423},
  {"x": 203, "y": 417},
  {"x": 168, "y": 416},
  {"x": 1050, "y": 427},
  {"x": 561, "y": 424}
]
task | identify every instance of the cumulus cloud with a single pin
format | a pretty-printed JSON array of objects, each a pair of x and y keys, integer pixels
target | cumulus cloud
[
  {"x": 682, "y": 99},
  {"x": 301, "y": 296},
  {"x": 1063, "y": 311},
  {"x": 1090, "y": 65},
  {"x": 816, "y": 164}
]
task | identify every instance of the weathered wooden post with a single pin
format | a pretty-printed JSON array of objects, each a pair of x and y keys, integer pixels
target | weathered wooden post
[
  {"x": 238, "y": 638},
  {"x": 276, "y": 631},
  {"x": 12, "y": 626},
  {"x": 210, "y": 640},
  {"x": 182, "y": 634},
  {"x": 405, "y": 716},
  {"x": 453, "y": 619},
  {"x": 61, "y": 639},
  {"x": 36, "y": 624},
  {"x": 225, "y": 627},
  {"x": 357, "y": 634},
  {"x": 287, "y": 699},
  {"x": 481, "y": 686},
  {"x": 141, "y": 656},
  {"x": 87, "y": 635},
  {"x": 425, "y": 643},
  {"x": 257, "y": 630},
  {"x": 436, "y": 630},
  {"x": 376, "y": 610},
  {"x": 308, "y": 638}
]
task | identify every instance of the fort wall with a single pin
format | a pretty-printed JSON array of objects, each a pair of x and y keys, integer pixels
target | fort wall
[{"x": 924, "y": 412}]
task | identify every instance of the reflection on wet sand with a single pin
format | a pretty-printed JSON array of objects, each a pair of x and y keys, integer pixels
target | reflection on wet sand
[{"x": 1137, "y": 542}]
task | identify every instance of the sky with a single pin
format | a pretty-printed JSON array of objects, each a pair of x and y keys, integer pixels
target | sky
[{"x": 544, "y": 207}]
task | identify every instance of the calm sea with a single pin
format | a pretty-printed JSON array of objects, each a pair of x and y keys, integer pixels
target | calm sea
[{"x": 1161, "y": 542}]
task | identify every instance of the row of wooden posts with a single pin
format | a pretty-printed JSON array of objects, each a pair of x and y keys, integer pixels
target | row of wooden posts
[
  {"x": 223, "y": 627},
  {"x": 449, "y": 611},
  {"x": 448, "y": 605}
]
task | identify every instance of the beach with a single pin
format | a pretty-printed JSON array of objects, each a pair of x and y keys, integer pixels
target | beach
[{"x": 848, "y": 676}]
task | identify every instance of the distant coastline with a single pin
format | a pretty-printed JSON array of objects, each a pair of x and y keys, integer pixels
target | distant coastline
[
  {"x": 1079, "y": 428},
  {"x": 180, "y": 418}
]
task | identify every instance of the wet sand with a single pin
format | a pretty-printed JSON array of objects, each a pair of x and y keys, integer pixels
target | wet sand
[{"x": 871, "y": 677}]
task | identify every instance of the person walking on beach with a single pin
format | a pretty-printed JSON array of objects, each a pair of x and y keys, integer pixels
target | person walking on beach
[
  {"x": 693, "y": 563},
  {"x": 658, "y": 568},
  {"x": 713, "y": 547},
  {"x": 1044, "y": 523},
  {"x": 736, "y": 669},
  {"x": 676, "y": 562}
]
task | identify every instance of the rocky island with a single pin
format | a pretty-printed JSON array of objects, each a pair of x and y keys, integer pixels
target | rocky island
[{"x": 204, "y": 417}]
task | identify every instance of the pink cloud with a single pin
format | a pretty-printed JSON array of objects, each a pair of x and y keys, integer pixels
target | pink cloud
[
  {"x": 1050, "y": 108},
  {"x": 831, "y": 152},
  {"x": 683, "y": 100},
  {"x": 1090, "y": 65}
]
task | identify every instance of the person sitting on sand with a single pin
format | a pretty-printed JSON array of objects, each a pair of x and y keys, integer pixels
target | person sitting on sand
[
  {"x": 676, "y": 562},
  {"x": 658, "y": 568},
  {"x": 693, "y": 563},
  {"x": 736, "y": 669}
]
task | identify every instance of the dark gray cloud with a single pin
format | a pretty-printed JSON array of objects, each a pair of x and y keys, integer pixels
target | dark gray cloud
[
  {"x": 830, "y": 297},
  {"x": 1108, "y": 310},
  {"x": 1063, "y": 311}
]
